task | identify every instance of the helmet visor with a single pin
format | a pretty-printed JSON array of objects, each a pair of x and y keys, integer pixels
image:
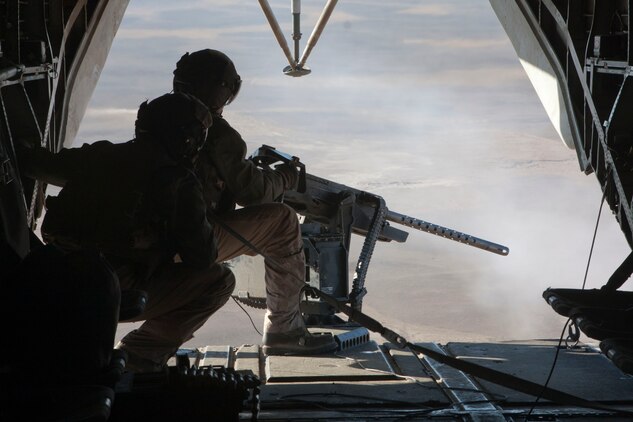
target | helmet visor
[{"x": 234, "y": 88}]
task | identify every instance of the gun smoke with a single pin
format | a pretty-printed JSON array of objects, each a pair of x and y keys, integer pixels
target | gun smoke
[{"x": 433, "y": 112}]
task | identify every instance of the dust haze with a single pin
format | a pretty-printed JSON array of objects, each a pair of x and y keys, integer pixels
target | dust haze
[{"x": 424, "y": 104}]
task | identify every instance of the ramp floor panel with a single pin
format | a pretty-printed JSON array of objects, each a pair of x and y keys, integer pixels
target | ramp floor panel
[
  {"x": 387, "y": 383},
  {"x": 365, "y": 362},
  {"x": 363, "y": 376},
  {"x": 582, "y": 371}
]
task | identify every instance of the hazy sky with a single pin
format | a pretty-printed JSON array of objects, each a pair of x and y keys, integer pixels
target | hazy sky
[{"x": 422, "y": 102}]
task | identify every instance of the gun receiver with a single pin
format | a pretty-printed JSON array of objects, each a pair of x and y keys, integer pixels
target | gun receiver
[
  {"x": 319, "y": 199},
  {"x": 332, "y": 211}
]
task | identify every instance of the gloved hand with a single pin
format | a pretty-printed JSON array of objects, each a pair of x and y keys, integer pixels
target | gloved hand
[{"x": 290, "y": 174}]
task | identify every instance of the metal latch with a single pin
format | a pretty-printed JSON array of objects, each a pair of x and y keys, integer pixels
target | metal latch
[{"x": 5, "y": 172}]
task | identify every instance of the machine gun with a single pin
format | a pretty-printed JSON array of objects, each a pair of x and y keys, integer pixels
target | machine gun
[{"x": 332, "y": 212}]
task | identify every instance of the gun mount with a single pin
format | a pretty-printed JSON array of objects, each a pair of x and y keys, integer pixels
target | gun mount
[{"x": 332, "y": 212}]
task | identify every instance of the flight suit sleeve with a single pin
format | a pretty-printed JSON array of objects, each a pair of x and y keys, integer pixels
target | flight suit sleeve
[
  {"x": 192, "y": 231},
  {"x": 247, "y": 183},
  {"x": 57, "y": 168}
]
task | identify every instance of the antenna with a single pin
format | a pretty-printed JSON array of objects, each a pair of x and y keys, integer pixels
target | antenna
[{"x": 297, "y": 65}]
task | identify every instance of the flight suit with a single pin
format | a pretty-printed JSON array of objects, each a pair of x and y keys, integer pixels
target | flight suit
[
  {"x": 228, "y": 178},
  {"x": 141, "y": 209}
]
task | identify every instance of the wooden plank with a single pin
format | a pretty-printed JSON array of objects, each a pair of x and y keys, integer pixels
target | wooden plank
[
  {"x": 247, "y": 358},
  {"x": 214, "y": 355}
]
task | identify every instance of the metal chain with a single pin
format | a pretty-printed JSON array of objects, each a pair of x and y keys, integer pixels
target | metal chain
[{"x": 358, "y": 284}]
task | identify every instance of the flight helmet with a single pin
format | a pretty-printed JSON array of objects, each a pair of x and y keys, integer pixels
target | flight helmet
[
  {"x": 178, "y": 121},
  {"x": 209, "y": 75}
]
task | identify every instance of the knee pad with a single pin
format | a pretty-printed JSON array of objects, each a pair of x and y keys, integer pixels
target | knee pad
[{"x": 221, "y": 281}]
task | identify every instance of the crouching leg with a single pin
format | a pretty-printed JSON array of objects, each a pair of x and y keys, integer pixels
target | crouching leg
[
  {"x": 180, "y": 300},
  {"x": 273, "y": 229}
]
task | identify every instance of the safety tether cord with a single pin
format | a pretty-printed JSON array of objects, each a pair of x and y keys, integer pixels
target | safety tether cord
[
  {"x": 571, "y": 324},
  {"x": 497, "y": 377},
  {"x": 593, "y": 240}
]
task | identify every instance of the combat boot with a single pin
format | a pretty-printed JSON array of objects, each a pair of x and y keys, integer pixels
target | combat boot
[
  {"x": 138, "y": 364},
  {"x": 299, "y": 342}
]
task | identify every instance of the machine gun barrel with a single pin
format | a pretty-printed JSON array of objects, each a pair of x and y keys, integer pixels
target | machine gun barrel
[
  {"x": 321, "y": 200},
  {"x": 447, "y": 233},
  {"x": 332, "y": 213}
]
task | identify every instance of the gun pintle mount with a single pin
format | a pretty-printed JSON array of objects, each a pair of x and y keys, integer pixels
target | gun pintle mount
[{"x": 332, "y": 212}]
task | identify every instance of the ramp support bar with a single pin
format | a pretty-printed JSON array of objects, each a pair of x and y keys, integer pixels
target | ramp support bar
[{"x": 274, "y": 25}]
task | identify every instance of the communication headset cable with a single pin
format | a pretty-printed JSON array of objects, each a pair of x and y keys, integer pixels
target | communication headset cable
[{"x": 248, "y": 315}]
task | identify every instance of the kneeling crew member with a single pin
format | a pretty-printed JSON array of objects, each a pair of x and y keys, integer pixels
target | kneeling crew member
[{"x": 140, "y": 204}]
